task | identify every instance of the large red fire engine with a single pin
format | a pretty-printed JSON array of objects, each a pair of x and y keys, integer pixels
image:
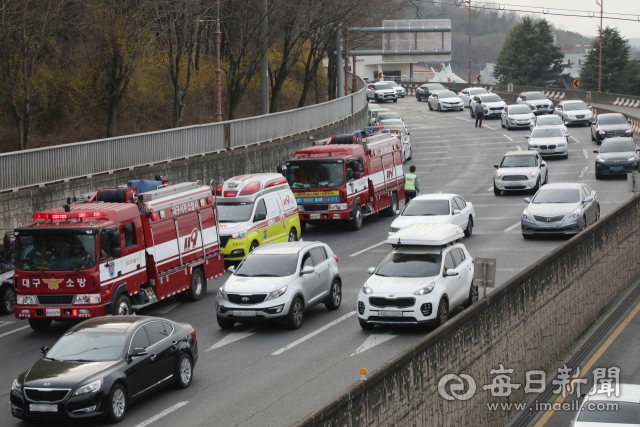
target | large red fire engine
[
  {"x": 349, "y": 178},
  {"x": 116, "y": 254}
]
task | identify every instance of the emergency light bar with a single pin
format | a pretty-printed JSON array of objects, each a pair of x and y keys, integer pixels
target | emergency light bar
[{"x": 69, "y": 215}]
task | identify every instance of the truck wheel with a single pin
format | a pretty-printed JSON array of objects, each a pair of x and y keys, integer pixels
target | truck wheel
[
  {"x": 293, "y": 235},
  {"x": 198, "y": 286},
  {"x": 123, "y": 306},
  {"x": 7, "y": 300},
  {"x": 393, "y": 208},
  {"x": 40, "y": 325},
  {"x": 356, "y": 222}
]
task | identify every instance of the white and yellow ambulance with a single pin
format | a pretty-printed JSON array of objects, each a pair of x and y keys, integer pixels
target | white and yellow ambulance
[{"x": 254, "y": 210}]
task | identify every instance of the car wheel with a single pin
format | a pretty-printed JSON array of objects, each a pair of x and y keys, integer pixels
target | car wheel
[
  {"x": 409, "y": 158},
  {"x": 335, "y": 296},
  {"x": 122, "y": 306},
  {"x": 536, "y": 187},
  {"x": 7, "y": 300},
  {"x": 395, "y": 99},
  {"x": 356, "y": 222},
  {"x": 118, "y": 404},
  {"x": 469, "y": 230},
  {"x": 584, "y": 224},
  {"x": 439, "y": 107},
  {"x": 527, "y": 236},
  {"x": 364, "y": 324},
  {"x": 293, "y": 236},
  {"x": 184, "y": 371},
  {"x": 296, "y": 314},
  {"x": 507, "y": 125},
  {"x": 496, "y": 191},
  {"x": 198, "y": 285},
  {"x": 502, "y": 123},
  {"x": 473, "y": 296},
  {"x": 224, "y": 323},
  {"x": 40, "y": 325},
  {"x": 597, "y": 214},
  {"x": 429, "y": 105},
  {"x": 443, "y": 313},
  {"x": 471, "y": 112},
  {"x": 254, "y": 245}
]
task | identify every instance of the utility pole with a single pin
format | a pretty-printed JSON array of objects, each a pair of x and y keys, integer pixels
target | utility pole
[
  {"x": 264, "y": 62},
  {"x": 354, "y": 79},
  {"x": 468, "y": 3},
  {"x": 339, "y": 65},
  {"x": 601, "y": 4},
  {"x": 217, "y": 34},
  {"x": 346, "y": 61}
]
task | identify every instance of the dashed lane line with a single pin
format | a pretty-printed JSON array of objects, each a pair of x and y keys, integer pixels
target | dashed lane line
[
  {"x": 584, "y": 170},
  {"x": 372, "y": 341},
  {"x": 519, "y": 148},
  {"x": 368, "y": 249},
  {"x": 507, "y": 136},
  {"x": 490, "y": 188},
  {"x": 586, "y": 155},
  {"x": 489, "y": 127},
  {"x": 466, "y": 120},
  {"x": 2, "y": 323},
  {"x": 577, "y": 142},
  {"x": 13, "y": 331},
  {"x": 314, "y": 333},
  {"x": 514, "y": 226},
  {"x": 162, "y": 414},
  {"x": 232, "y": 337}
]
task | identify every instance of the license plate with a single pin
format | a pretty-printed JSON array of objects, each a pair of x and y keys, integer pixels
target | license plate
[
  {"x": 52, "y": 312},
  {"x": 390, "y": 313},
  {"x": 617, "y": 169},
  {"x": 245, "y": 313},
  {"x": 315, "y": 216},
  {"x": 43, "y": 408}
]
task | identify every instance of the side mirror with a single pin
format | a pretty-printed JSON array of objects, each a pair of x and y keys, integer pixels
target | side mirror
[
  {"x": 588, "y": 199},
  {"x": 116, "y": 252},
  {"x": 115, "y": 239},
  {"x": 527, "y": 137},
  {"x": 137, "y": 352},
  {"x": 451, "y": 272},
  {"x": 44, "y": 349},
  {"x": 282, "y": 169},
  {"x": 595, "y": 151},
  {"x": 629, "y": 121},
  {"x": 543, "y": 163},
  {"x": 356, "y": 175},
  {"x": 527, "y": 199},
  {"x": 259, "y": 217},
  {"x": 231, "y": 269},
  {"x": 496, "y": 166},
  {"x": 590, "y": 107},
  {"x": 456, "y": 211},
  {"x": 308, "y": 270},
  {"x": 371, "y": 270}
]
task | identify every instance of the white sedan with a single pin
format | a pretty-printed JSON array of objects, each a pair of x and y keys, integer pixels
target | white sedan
[
  {"x": 470, "y": 92},
  {"x": 601, "y": 408},
  {"x": 437, "y": 209},
  {"x": 445, "y": 100}
]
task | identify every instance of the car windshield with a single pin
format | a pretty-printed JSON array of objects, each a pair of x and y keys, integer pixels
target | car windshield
[
  {"x": 394, "y": 84},
  {"x": 519, "y": 109},
  {"x": 557, "y": 195},
  {"x": 58, "y": 250},
  {"x": 518, "y": 162},
  {"x": 478, "y": 91},
  {"x": 312, "y": 174},
  {"x": 574, "y": 106},
  {"x": 234, "y": 212},
  {"x": 623, "y": 146},
  {"x": 96, "y": 346},
  {"x": 491, "y": 98},
  {"x": 548, "y": 121},
  {"x": 380, "y": 86},
  {"x": 257, "y": 265},
  {"x": 546, "y": 133},
  {"x": 398, "y": 264},
  {"x": 426, "y": 208},
  {"x": 608, "y": 412},
  {"x": 435, "y": 86},
  {"x": 535, "y": 96},
  {"x": 389, "y": 116},
  {"x": 612, "y": 120},
  {"x": 447, "y": 94}
]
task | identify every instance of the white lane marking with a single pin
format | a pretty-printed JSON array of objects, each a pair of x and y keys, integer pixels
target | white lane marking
[
  {"x": 368, "y": 249},
  {"x": 507, "y": 136},
  {"x": 466, "y": 120},
  {"x": 15, "y": 330},
  {"x": 164, "y": 310},
  {"x": 519, "y": 148},
  {"x": 372, "y": 341},
  {"x": 231, "y": 338},
  {"x": 5, "y": 323},
  {"x": 314, "y": 333},
  {"x": 489, "y": 127},
  {"x": 586, "y": 155},
  {"x": 517, "y": 224},
  {"x": 577, "y": 142},
  {"x": 490, "y": 188},
  {"x": 162, "y": 414},
  {"x": 584, "y": 170}
]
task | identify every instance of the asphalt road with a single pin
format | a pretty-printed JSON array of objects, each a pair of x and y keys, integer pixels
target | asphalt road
[{"x": 271, "y": 376}]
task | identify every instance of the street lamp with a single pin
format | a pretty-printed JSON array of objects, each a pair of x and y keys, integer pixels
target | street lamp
[
  {"x": 601, "y": 4},
  {"x": 218, "y": 70}
]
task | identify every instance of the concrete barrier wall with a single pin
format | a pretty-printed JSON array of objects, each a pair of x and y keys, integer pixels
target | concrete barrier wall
[
  {"x": 529, "y": 323},
  {"x": 17, "y": 207}
]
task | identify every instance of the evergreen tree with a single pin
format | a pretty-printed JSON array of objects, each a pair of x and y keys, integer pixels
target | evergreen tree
[
  {"x": 615, "y": 59},
  {"x": 529, "y": 56}
]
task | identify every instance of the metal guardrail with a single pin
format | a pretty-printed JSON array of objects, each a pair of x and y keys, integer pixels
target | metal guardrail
[{"x": 83, "y": 159}]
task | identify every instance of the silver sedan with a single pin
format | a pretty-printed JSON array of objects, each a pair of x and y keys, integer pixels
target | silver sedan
[
  {"x": 560, "y": 209},
  {"x": 549, "y": 142},
  {"x": 516, "y": 116}
]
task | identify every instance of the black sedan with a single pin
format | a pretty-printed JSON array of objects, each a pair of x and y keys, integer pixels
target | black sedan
[
  {"x": 616, "y": 156},
  {"x": 425, "y": 91},
  {"x": 101, "y": 366},
  {"x": 610, "y": 126}
]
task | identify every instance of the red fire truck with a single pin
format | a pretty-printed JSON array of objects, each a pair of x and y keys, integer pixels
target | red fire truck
[
  {"x": 117, "y": 253},
  {"x": 349, "y": 178}
]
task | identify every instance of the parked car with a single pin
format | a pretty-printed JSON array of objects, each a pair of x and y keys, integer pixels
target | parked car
[
  {"x": 381, "y": 92},
  {"x": 602, "y": 408},
  {"x": 516, "y": 116},
  {"x": 387, "y": 115},
  {"x": 426, "y": 275},
  {"x": 537, "y": 101},
  {"x": 574, "y": 112},
  {"x": 520, "y": 170},
  {"x": 280, "y": 281},
  {"x": 400, "y": 91},
  {"x": 617, "y": 156},
  {"x": 549, "y": 142},
  {"x": 445, "y": 100},
  {"x": 424, "y": 91},
  {"x": 371, "y": 108},
  {"x": 550, "y": 121},
  {"x": 492, "y": 103},
  {"x": 398, "y": 127},
  {"x": 468, "y": 93},
  {"x": 436, "y": 208},
  {"x": 101, "y": 366},
  {"x": 610, "y": 126},
  {"x": 376, "y": 112},
  {"x": 561, "y": 209}
]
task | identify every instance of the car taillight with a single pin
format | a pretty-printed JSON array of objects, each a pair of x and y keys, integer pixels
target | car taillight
[
  {"x": 219, "y": 190},
  {"x": 473, "y": 261},
  {"x": 154, "y": 216},
  {"x": 230, "y": 193},
  {"x": 209, "y": 200},
  {"x": 275, "y": 182},
  {"x": 193, "y": 332},
  {"x": 251, "y": 188},
  {"x": 335, "y": 257}
]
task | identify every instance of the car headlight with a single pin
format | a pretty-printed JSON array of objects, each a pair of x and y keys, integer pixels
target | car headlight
[
  {"x": 27, "y": 300},
  {"x": 87, "y": 299},
  {"x": 16, "y": 386},
  {"x": 427, "y": 289},
  {"x": 632, "y": 159},
  {"x": 533, "y": 174},
  {"x": 393, "y": 229},
  {"x": 498, "y": 175},
  {"x": 562, "y": 144},
  {"x": 598, "y": 159},
  {"x": 588, "y": 115},
  {"x": 89, "y": 388},
  {"x": 276, "y": 294},
  {"x": 239, "y": 236},
  {"x": 601, "y": 132},
  {"x": 526, "y": 216},
  {"x": 511, "y": 120},
  {"x": 629, "y": 132},
  {"x": 367, "y": 290},
  {"x": 573, "y": 215},
  {"x": 338, "y": 207},
  {"x": 571, "y": 116},
  {"x": 222, "y": 294}
]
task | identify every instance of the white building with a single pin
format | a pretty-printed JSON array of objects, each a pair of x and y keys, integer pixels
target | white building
[{"x": 574, "y": 63}]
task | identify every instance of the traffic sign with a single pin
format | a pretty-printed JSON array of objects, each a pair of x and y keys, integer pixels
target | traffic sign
[
  {"x": 478, "y": 78},
  {"x": 576, "y": 83},
  {"x": 378, "y": 75}
]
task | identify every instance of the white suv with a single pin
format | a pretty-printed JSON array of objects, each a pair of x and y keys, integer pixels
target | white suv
[
  {"x": 426, "y": 275},
  {"x": 381, "y": 91}
]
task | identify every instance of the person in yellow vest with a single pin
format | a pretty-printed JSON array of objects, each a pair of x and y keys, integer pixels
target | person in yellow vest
[{"x": 411, "y": 185}]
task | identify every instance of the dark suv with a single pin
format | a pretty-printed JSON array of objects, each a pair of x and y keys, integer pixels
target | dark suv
[
  {"x": 425, "y": 91},
  {"x": 610, "y": 126}
]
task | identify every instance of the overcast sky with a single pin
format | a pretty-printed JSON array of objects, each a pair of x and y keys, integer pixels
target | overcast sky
[{"x": 586, "y": 26}]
